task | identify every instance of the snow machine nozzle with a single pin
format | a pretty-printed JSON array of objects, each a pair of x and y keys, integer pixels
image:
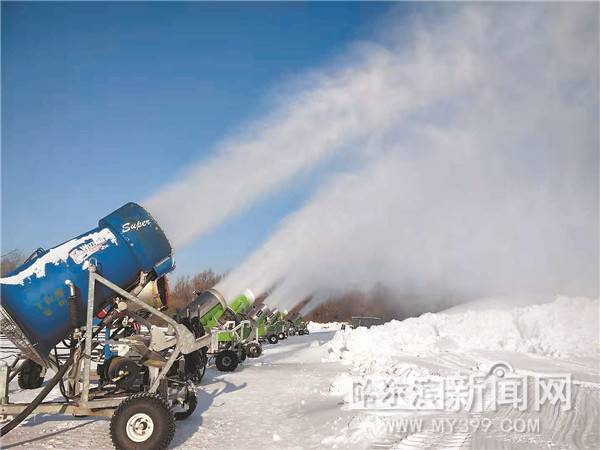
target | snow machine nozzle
[
  {"x": 243, "y": 303},
  {"x": 128, "y": 247}
]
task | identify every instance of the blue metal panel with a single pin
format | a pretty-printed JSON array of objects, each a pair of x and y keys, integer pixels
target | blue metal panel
[{"x": 127, "y": 242}]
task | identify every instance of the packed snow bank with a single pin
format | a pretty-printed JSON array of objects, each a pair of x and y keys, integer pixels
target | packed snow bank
[
  {"x": 565, "y": 327},
  {"x": 331, "y": 326}
]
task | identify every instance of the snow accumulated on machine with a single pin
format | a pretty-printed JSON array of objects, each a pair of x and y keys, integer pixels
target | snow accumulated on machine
[{"x": 89, "y": 284}]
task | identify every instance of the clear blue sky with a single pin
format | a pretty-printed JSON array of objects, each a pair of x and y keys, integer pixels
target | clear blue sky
[{"x": 103, "y": 103}]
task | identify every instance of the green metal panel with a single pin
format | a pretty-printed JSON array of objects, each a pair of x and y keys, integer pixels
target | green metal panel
[
  {"x": 298, "y": 321},
  {"x": 210, "y": 319},
  {"x": 262, "y": 330},
  {"x": 228, "y": 336},
  {"x": 246, "y": 332},
  {"x": 242, "y": 304},
  {"x": 225, "y": 336}
]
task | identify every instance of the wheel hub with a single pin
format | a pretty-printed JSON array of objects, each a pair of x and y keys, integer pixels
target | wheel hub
[{"x": 139, "y": 427}]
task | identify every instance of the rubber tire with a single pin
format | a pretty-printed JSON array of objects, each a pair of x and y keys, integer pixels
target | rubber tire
[
  {"x": 195, "y": 365},
  {"x": 159, "y": 411},
  {"x": 226, "y": 361},
  {"x": 253, "y": 350},
  {"x": 127, "y": 382},
  {"x": 281, "y": 336},
  {"x": 201, "y": 372},
  {"x": 30, "y": 376},
  {"x": 192, "y": 402},
  {"x": 242, "y": 356},
  {"x": 273, "y": 339}
]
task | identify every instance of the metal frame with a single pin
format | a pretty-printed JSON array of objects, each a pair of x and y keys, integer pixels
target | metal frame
[
  {"x": 254, "y": 324},
  {"x": 237, "y": 331},
  {"x": 184, "y": 342}
]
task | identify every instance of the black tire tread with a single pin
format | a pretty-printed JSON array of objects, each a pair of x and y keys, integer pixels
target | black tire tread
[
  {"x": 219, "y": 361},
  {"x": 154, "y": 400},
  {"x": 253, "y": 353},
  {"x": 29, "y": 377},
  {"x": 193, "y": 402}
]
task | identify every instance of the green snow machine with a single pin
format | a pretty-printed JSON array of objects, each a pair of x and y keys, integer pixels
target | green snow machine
[
  {"x": 210, "y": 311},
  {"x": 298, "y": 325}
]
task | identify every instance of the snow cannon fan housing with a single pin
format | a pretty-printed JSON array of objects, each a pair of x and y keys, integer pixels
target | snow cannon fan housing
[
  {"x": 35, "y": 299},
  {"x": 243, "y": 303},
  {"x": 258, "y": 313},
  {"x": 208, "y": 307}
]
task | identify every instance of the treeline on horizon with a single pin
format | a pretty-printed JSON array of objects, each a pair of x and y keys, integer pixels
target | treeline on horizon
[{"x": 378, "y": 302}]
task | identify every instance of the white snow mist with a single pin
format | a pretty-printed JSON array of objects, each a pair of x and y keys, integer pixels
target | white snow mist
[
  {"x": 488, "y": 189},
  {"x": 342, "y": 108}
]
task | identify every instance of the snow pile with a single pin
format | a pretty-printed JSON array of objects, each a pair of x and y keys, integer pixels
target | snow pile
[
  {"x": 90, "y": 243},
  {"x": 565, "y": 327},
  {"x": 331, "y": 326}
]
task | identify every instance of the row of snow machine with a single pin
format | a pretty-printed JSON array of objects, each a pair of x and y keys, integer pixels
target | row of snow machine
[{"x": 237, "y": 330}]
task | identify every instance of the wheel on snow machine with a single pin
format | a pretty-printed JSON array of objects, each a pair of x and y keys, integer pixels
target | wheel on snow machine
[
  {"x": 123, "y": 372},
  {"x": 281, "y": 336},
  {"x": 142, "y": 421},
  {"x": 195, "y": 365},
  {"x": 272, "y": 339},
  {"x": 31, "y": 375},
  {"x": 189, "y": 406},
  {"x": 253, "y": 350},
  {"x": 226, "y": 361}
]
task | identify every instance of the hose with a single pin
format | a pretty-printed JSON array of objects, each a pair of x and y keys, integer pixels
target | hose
[
  {"x": 39, "y": 398},
  {"x": 44, "y": 392},
  {"x": 61, "y": 383}
]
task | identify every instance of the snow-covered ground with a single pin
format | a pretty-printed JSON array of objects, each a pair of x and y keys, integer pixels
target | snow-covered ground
[
  {"x": 331, "y": 326},
  {"x": 280, "y": 400},
  {"x": 301, "y": 392},
  {"x": 539, "y": 344}
]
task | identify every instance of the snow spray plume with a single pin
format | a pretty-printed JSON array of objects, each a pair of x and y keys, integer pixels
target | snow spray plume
[
  {"x": 492, "y": 191},
  {"x": 340, "y": 108}
]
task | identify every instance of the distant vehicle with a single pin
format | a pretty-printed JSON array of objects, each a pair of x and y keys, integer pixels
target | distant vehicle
[{"x": 365, "y": 322}]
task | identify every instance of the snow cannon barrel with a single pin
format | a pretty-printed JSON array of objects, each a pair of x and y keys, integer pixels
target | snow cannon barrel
[
  {"x": 258, "y": 313},
  {"x": 277, "y": 316},
  {"x": 261, "y": 316},
  {"x": 272, "y": 315},
  {"x": 243, "y": 303},
  {"x": 208, "y": 307},
  {"x": 37, "y": 305}
]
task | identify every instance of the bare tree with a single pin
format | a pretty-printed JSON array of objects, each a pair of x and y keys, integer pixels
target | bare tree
[
  {"x": 10, "y": 261},
  {"x": 182, "y": 292}
]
